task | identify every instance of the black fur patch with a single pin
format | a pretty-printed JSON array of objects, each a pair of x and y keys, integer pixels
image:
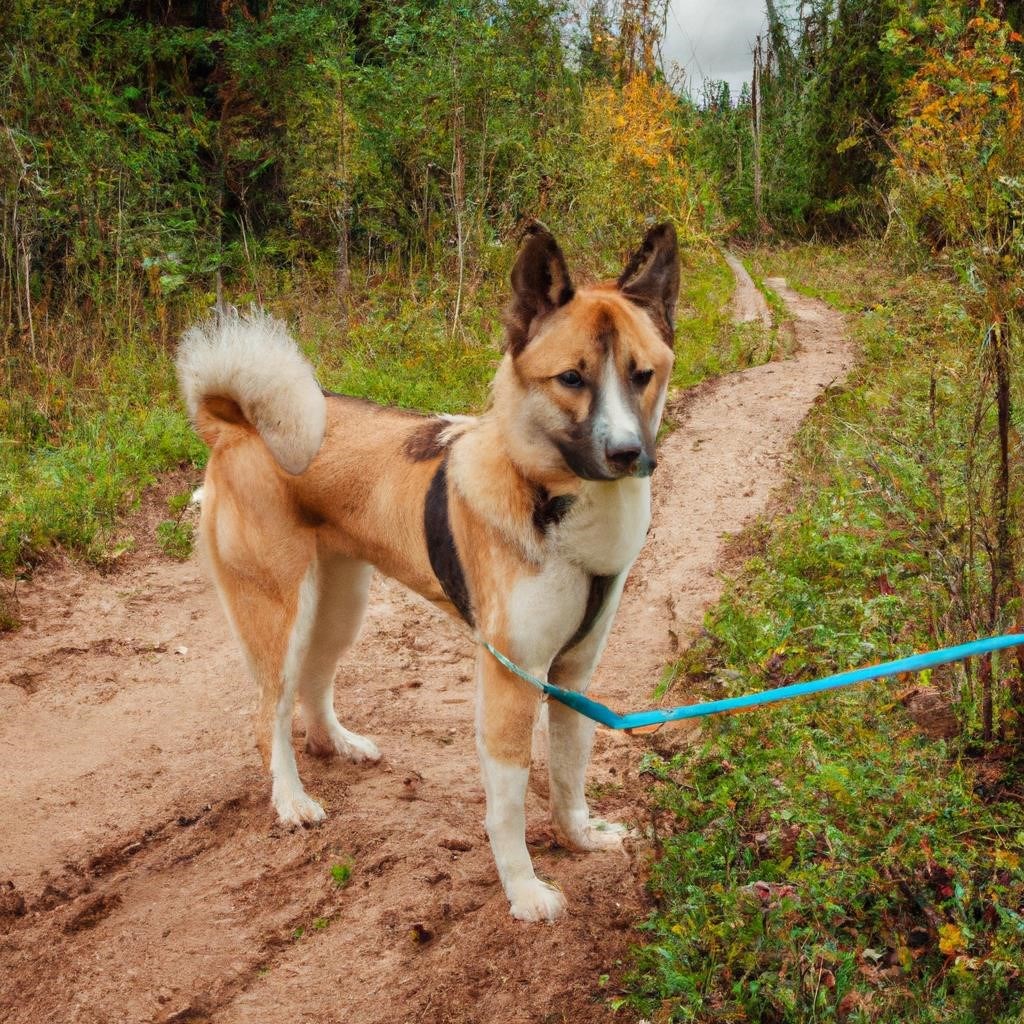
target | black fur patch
[
  {"x": 444, "y": 558},
  {"x": 548, "y": 510},
  {"x": 599, "y": 587},
  {"x": 424, "y": 443},
  {"x": 309, "y": 517}
]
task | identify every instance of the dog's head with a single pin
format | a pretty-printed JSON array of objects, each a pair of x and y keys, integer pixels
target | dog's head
[{"x": 591, "y": 365}]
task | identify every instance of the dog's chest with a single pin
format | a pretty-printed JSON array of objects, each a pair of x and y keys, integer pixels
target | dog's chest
[{"x": 606, "y": 527}]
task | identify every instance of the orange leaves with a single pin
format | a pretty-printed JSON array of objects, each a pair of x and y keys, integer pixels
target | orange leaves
[{"x": 962, "y": 100}]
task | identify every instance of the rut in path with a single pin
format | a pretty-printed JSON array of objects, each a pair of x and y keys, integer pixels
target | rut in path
[{"x": 137, "y": 831}]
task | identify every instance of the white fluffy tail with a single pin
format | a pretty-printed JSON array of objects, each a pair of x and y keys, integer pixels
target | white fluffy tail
[{"x": 252, "y": 360}]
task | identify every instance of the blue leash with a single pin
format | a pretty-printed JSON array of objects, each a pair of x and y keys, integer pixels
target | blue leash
[{"x": 657, "y": 716}]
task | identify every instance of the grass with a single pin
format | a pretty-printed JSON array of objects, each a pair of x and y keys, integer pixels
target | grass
[
  {"x": 824, "y": 860},
  {"x": 81, "y": 437},
  {"x": 341, "y": 873},
  {"x": 708, "y": 343},
  {"x": 69, "y": 470},
  {"x": 824, "y": 863},
  {"x": 176, "y": 537}
]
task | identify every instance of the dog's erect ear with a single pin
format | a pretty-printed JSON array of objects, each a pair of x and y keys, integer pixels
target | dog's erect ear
[
  {"x": 540, "y": 285},
  {"x": 651, "y": 278}
]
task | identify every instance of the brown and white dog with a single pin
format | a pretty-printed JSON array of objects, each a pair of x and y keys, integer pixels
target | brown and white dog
[{"x": 522, "y": 522}]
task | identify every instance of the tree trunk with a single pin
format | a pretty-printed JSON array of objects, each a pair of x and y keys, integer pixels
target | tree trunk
[
  {"x": 999, "y": 339},
  {"x": 755, "y": 111},
  {"x": 458, "y": 202}
]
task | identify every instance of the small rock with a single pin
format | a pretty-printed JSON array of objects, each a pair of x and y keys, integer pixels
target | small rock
[
  {"x": 456, "y": 844},
  {"x": 12, "y": 903},
  {"x": 410, "y": 787}
]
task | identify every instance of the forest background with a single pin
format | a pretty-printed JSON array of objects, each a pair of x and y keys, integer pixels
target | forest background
[{"x": 364, "y": 169}]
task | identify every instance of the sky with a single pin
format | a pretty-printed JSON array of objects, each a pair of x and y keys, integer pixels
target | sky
[{"x": 713, "y": 39}]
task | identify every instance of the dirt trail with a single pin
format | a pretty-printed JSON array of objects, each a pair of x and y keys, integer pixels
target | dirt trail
[
  {"x": 150, "y": 882},
  {"x": 748, "y": 303}
]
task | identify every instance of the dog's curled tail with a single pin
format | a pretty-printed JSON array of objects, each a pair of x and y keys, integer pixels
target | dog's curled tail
[{"x": 245, "y": 369}]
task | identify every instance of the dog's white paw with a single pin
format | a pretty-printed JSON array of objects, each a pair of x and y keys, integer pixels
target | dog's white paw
[
  {"x": 596, "y": 836},
  {"x": 536, "y": 901},
  {"x": 359, "y": 748},
  {"x": 297, "y": 808},
  {"x": 330, "y": 739}
]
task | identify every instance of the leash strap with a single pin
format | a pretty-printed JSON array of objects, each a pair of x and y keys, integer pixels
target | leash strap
[{"x": 659, "y": 716}]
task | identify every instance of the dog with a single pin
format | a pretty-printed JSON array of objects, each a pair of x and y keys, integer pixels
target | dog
[{"x": 522, "y": 522}]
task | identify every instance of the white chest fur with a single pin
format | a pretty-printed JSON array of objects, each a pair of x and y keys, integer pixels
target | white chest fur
[
  {"x": 601, "y": 535},
  {"x": 605, "y": 528}
]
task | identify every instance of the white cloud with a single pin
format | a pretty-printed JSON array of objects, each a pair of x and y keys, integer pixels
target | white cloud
[{"x": 713, "y": 39}]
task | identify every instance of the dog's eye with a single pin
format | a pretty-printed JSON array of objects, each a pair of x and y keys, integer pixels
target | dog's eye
[
  {"x": 571, "y": 379},
  {"x": 641, "y": 378}
]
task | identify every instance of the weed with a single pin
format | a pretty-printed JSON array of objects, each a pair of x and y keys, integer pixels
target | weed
[
  {"x": 174, "y": 536},
  {"x": 175, "y": 539},
  {"x": 8, "y": 612},
  {"x": 341, "y": 873}
]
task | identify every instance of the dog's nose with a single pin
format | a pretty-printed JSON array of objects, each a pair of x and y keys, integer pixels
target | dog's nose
[
  {"x": 623, "y": 456},
  {"x": 648, "y": 464}
]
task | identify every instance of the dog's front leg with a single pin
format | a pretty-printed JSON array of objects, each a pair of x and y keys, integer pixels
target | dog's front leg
[
  {"x": 571, "y": 737},
  {"x": 506, "y": 709}
]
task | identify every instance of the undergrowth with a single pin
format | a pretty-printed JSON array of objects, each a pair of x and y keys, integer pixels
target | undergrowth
[{"x": 824, "y": 860}]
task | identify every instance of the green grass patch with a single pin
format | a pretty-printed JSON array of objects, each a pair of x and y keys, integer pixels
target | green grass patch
[
  {"x": 405, "y": 354},
  {"x": 823, "y": 863},
  {"x": 341, "y": 873},
  {"x": 823, "y": 860},
  {"x": 175, "y": 536},
  {"x": 70, "y": 466},
  {"x": 708, "y": 343}
]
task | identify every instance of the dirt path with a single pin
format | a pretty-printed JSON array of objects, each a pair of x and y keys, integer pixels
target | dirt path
[
  {"x": 150, "y": 882},
  {"x": 748, "y": 303}
]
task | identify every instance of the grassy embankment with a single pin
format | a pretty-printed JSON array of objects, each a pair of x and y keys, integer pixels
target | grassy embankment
[
  {"x": 824, "y": 860},
  {"x": 82, "y": 437}
]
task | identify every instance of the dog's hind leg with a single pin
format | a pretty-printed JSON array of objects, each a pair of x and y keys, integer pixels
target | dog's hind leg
[
  {"x": 273, "y": 614},
  {"x": 343, "y": 590},
  {"x": 571, "y": 736}
]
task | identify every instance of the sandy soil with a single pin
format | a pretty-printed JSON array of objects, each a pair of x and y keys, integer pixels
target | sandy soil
[{"x": 142, "y": 875}]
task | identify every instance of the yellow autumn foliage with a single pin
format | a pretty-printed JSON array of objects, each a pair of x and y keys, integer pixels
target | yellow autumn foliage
[
  {"x": 958, "y": 146},
  {"x": 634, "y": 141}
]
